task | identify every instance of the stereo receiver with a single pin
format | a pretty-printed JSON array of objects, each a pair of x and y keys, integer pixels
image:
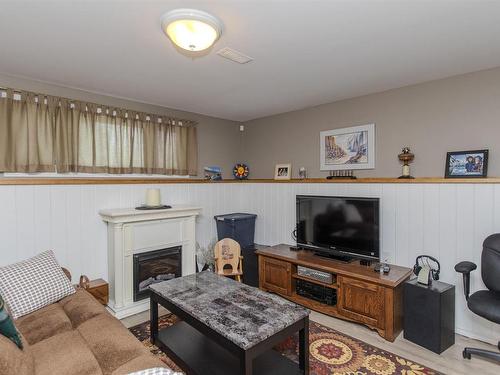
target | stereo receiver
[{"x": 324, "y": 277}]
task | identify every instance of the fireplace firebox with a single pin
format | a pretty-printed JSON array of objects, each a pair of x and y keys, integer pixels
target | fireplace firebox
[{"x": 155, "y": 266}]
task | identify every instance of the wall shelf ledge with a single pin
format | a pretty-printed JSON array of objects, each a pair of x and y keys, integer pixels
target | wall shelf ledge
[{"x": 146, "y": 180}]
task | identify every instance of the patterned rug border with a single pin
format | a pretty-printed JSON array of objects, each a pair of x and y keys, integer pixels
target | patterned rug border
[{"x": 331, "y": 352}]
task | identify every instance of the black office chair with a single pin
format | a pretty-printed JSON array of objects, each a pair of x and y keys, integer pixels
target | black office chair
[{"x": 485, "y": 303}]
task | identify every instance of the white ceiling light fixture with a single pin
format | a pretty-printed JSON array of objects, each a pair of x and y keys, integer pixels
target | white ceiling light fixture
[{"x": 191, "y": 29}]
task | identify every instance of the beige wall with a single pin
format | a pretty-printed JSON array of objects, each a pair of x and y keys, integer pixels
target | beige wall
[
  {"x": 218, "y": 140},
  {"x": 456, "y": 113}
]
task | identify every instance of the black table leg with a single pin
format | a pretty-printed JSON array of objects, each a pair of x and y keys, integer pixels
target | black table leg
[
  {"x": 304, "y": 347},
  {"x": 246, "y": 363},
  {"x": 153, "y": 320}
]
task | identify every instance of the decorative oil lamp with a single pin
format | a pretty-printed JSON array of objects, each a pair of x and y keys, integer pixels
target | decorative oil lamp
[{"x": 406, "y": 157}]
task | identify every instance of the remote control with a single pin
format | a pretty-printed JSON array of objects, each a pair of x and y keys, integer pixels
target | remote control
[{"x": 382, "y": 267}]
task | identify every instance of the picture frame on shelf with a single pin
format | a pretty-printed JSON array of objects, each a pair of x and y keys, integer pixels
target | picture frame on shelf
[
  {"x": 467, "y": 164},
  {"x": 283, "y": 171},
  {"x": 348, "y": 148}
]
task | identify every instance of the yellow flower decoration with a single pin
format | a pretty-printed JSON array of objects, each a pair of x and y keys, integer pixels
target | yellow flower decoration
[{"x": 240, "y": 171}]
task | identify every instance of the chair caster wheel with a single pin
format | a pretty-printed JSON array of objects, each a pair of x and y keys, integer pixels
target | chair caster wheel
[{"x": 466, "y": 354}]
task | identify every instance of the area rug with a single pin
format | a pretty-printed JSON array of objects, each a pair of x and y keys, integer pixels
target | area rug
[{"x": 331, "y": 352}]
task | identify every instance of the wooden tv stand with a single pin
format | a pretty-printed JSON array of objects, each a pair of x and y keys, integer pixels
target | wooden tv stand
[{"x": 363, "y": 295}]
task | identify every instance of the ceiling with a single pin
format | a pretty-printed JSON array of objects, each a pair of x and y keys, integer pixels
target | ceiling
[{"x": 305, "y": 52}]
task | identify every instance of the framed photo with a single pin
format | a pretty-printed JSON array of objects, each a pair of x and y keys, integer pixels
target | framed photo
[
  {"x": 348, "y": 148},
  {"x": 283, "y": 172},
  {"x": 466, "y": 164}
]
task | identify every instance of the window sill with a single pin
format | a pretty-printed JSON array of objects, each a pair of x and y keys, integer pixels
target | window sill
[
  {"x": 85, "y": 178},
  {"x": 88, "y": 175}
]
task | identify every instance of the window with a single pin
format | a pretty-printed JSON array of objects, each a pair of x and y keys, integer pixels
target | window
[{"x": 39, "y": 133}]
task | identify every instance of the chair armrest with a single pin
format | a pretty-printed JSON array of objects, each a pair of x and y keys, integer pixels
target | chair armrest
[
  {"x": 465, "y": 268},
  {"x": 67, "y": 273}
]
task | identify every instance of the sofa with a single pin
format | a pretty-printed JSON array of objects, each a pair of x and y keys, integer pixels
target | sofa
[{"x": 76, "y": 336}]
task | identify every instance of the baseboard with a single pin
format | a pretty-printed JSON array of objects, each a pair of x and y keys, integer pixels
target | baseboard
[
  {"x": 475, "y": 336},
  {"x": 132, "y": 309}
]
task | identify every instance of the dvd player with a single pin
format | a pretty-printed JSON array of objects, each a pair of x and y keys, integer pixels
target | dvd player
[{"x": 316, "y": 292}]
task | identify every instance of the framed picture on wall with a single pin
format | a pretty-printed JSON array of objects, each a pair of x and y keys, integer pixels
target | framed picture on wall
[
  {"x": 466, "y": 164},
  {"x": 348, "y": 148},
  {"x": 283, "y": 172}
]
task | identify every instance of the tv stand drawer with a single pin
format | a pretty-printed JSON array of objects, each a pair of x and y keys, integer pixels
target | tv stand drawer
[
  {"x": 275, "y": 275},
  {"x": 362, "y": 301}
]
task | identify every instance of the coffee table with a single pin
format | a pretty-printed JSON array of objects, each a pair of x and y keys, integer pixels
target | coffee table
[{"x": 227, "y": 327}]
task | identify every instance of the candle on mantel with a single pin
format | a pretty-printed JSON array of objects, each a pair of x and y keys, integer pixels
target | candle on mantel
[{"x": 153, "y": 197}]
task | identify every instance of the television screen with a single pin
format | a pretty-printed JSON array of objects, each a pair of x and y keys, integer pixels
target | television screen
[{"x": 339, "y": 226}]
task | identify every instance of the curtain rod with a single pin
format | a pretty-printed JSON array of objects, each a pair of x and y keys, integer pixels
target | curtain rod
[{"x": 180, "y": 121}]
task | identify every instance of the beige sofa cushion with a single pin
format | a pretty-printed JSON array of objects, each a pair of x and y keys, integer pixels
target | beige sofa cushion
[
  {"x": 14, "y": 360},
  {"x": 80, "y": 307},
  {"x": 112, "y": 344},
  {"x": 44, "y": 323},
  {"x": 64, "y": 354}
]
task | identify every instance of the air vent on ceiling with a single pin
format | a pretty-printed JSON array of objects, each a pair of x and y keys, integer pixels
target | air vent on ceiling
[{"x": 234, "y": 55}]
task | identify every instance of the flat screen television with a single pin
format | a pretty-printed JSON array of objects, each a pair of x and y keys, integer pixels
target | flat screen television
[{"x": 339, "y": 226}]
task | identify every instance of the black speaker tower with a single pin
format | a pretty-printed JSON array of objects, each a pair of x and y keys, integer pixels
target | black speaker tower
[{"x": 429, "y": 315}]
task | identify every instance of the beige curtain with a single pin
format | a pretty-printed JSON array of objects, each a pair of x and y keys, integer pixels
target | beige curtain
[
  {"x": 26, "y": 136},
  {"x": 172, "y": 149},
  {"x": 68, "y": 136}
]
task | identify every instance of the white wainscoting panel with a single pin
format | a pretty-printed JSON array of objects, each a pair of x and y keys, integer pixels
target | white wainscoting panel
[{"x": 448, "y": 221}]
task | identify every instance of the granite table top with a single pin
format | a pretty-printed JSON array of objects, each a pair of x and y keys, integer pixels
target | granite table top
[{"x": 243, "y": 314}]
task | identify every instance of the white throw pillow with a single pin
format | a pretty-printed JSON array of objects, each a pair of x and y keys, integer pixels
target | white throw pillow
[
  {"x": 34, "y": 283},
  {"x": 156, "y": 371}
]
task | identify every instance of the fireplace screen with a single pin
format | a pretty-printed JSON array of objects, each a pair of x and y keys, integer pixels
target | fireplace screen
[{"x": 154, "y": 267}]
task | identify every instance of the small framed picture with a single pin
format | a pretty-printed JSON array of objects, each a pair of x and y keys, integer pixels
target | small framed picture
[
  {"x": 466, "y": 164},
  {"x": 283, "y": 172}
]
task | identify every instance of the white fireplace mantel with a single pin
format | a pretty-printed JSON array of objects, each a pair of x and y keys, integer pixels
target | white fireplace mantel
[
  {"x": 131, "y": 215},
  {"x": 131, "y": 232}
]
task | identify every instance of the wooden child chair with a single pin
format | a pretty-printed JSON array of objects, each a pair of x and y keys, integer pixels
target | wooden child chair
[{"x": 228, "y": 252}]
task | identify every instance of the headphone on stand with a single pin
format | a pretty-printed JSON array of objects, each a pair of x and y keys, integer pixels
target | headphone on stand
[{"x": 425, "y": 260}]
